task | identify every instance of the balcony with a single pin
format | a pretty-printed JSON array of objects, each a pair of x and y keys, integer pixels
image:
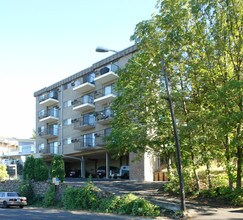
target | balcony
[
  {"x": 105, "y": 95},
  {"x": 84, "y": 123},
  {"x": 48, "y": 132},
  {"x": 49, "y": 115},
  {"x": 104, "y": 117},
  {"x": 84, "y": 143},
  {"x": 50, "y": 149},
  {"x": 85, "y": 103},
  {"x": 86, "y": 86},
  {"x": 106, "y": 74},
  {"x": 49, "y": 99},
  {"x": 100, "y": 137}
]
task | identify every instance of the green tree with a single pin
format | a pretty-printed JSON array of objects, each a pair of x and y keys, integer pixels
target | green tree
[
  {"x": 57, "y": 168},
  {"x": 201, "y": 43},
  {"x": 3, "y": 172},
  {"x": 41, "y": 170},
  {"x": 29, "y": 168}
]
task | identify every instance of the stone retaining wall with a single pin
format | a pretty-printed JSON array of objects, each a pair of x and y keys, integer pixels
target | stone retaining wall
[{"x": 40, "y": 188}]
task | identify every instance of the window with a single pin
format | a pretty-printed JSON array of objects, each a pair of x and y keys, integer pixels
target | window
[
  {"x": 87, "y": 99},
  {"x": 67, "y": 140},
  {"x": 41, "y": 148},
  {"x": 54, "y": 147},
  {"x": 109, "y": 90},
  {"x": 89, "y": 78},
  {"x": 67, "y": 121},
  {"x": 89, "y": 140},
  {"x": 67, "y": 86},
  {"x": 67, "y": 103},
  {"x": 88, "y": 119}
]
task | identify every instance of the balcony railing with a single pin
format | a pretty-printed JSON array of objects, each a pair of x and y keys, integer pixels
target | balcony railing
[
  {"x": 105, "y": 95},
  {"x": 83, "y": 103},
  {"x": 49, "y": 99},
  {"x": 50, "y": 149},
  {"x": 84, "y": 123},
  {"x": 49, "y": 115},
  {"x": 107, "y": 74},
  {"x": 104, "y": 117},
  {"x": 86, "y": 86},
  {"x": 84, "y": 143},
  {"x": 48, "y": 132}
]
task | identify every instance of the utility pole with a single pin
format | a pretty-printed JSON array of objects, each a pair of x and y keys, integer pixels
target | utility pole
[{"x": 177, "y": 144}]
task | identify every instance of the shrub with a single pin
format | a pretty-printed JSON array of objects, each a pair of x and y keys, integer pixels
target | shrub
[
  {"x": 26, "y": 189},
  {"x": 41, "y": 170},
  {"x": 69, "y": 198},
  {"x": 57, "y": 168},
  {"x": 3, "y": 172},
  {"x": 49, "y": 197},
  {"x": 87, "y": 198},
  {"x": 109, "y": 205},
  {"x": 35, "y": 169},
  {"x": 29, "y": 168},
  {"x": 133, "y": 205}
]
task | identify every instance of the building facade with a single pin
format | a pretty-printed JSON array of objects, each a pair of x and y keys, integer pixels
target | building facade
[{"x": 73, "y": 117}]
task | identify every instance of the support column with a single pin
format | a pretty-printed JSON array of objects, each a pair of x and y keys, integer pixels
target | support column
[
  {"x": 107, "y": 164},
  {"x": 82, "y": 167}
]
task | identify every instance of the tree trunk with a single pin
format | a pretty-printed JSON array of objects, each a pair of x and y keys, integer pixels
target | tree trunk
[
  {"x": 195, "y": 172},
  {"x": 239, "y": 161},
  {"x": 208, "y": 171}
]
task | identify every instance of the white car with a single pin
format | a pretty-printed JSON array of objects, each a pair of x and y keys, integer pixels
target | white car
[{"x": 12, "y": 199}]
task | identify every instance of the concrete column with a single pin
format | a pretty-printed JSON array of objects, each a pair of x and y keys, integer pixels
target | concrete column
[
  {"x": 82, "y": 167},
  {"x": 107, "y": 164}
]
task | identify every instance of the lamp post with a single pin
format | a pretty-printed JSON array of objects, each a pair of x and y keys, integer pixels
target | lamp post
[{"x": 176, "y": 137}]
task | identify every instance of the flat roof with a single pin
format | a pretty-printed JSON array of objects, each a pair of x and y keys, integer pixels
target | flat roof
[{"x": 96, "y": 65}]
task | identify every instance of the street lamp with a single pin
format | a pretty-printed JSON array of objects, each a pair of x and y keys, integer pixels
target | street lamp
[{"x": 177, "y": 144}]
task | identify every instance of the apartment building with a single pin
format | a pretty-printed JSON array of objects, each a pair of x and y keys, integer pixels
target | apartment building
[{"x": 73, "y": 117}]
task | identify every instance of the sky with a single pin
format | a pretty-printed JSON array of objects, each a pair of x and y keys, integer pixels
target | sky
[{"x": 45, "y": 41}]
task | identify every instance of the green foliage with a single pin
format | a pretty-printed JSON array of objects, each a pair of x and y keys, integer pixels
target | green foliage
[
  {"x": 50, "y": 197},
  {"x": 80, "y": 198},
  {"x": 26, "y": 189},
  {"x": 3, "y": 172},
  {"x": 35, "y": 169},
  {"x": 86, "y": 197},
  {"x": 57, "y": 168},
  {"x": 133, "y": 205},
  {"x": 227, "y": 195},
  {"x": 41, "y": 170},
  {"x": 29, "y": 168},
  {"x": 109, "y": 205}
]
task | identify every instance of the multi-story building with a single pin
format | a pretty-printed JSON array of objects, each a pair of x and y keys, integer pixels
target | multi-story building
[
  {"x": 14, "y": 149},
  {"x": 73, "y": 117}
]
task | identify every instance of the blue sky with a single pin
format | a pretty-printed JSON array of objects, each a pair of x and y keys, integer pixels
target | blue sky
[{"x": 44, "y": 41}]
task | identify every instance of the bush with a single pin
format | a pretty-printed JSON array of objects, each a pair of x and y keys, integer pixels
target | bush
[
  {"x": 133, "y": 205},
  {"x": 41, "y": 170},
  {"x": 109, "y": 205},
  {"x": 87, "y": 197},
  {"x": 26, "y": 189},
  {"x": 3, "y": 172},
  {"x": 29, "y": 168},
  {"x": 35, "y": 169},
  {"x": 49, "y": 197},
  {"x": 57, "y": 168}
]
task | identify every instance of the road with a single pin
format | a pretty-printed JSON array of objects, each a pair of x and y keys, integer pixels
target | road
[{"x": 32, "y": 213}]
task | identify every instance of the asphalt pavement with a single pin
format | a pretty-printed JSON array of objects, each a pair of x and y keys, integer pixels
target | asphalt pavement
[{"x": 150, "y": 191}]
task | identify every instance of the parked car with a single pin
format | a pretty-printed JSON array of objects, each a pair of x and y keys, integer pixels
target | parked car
[
  {"x": 77, "y": 174},
  {"x": 12, "y": 199},
  {"x": 74, "y": 173},
  {"x": 123, "y": 173},
  {"x": 101, "y": 171}
]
